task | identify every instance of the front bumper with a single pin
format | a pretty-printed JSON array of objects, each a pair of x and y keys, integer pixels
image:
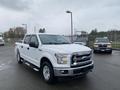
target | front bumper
[
  {"x": 2, "y": 43},
  {"x": 73, "y": 71},
  {"x": 103, "y": 49}
]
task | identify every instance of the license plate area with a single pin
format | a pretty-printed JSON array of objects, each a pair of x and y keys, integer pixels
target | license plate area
[{"x": 82, "y": 70}]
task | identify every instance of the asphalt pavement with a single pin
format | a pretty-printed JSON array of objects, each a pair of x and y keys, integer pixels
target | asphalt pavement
[{"x": 105, "y": 76}]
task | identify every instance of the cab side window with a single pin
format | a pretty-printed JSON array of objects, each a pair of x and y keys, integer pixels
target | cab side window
[
  {"x": 34, "y": 40},
  {"x": 27, "y": 39}
]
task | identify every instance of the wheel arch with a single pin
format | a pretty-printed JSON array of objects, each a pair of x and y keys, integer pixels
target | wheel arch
[{"x": 45, "y": 59}]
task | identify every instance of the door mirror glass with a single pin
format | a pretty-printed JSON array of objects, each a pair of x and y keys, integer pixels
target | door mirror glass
[{"x": 32, "y": 44}]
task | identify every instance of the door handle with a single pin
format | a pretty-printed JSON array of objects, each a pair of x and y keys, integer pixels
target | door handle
[{"x": 28, "y": 48}]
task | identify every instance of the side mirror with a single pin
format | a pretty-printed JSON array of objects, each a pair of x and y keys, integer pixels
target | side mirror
[{"x": 32, "y": 44}]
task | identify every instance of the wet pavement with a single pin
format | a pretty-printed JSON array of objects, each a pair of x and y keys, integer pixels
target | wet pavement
[{"x": 105, "y": 76}]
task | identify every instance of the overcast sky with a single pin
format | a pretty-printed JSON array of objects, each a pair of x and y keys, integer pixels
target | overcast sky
[{"x": 50, "y": 14}]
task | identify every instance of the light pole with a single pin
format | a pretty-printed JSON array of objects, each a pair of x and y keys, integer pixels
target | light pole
[
  {"x": 71, "y": 24},
  {"x": 25, "y": 27}
]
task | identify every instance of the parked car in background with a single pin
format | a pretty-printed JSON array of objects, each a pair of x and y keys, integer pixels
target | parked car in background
[
  {"x": 2, "y": 42},
  {"x": 102, "y": 45},
  {"x": 54, "y": 56}
]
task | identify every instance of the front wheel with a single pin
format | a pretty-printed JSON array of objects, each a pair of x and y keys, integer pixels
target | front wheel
[
  {"x": 47, "y": 72},
  {"x": 94, "y": 51},
  {"x": 110, "y": 52}
]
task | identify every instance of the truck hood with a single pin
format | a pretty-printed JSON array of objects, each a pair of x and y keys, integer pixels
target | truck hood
[{"x": 66, "y": 48}]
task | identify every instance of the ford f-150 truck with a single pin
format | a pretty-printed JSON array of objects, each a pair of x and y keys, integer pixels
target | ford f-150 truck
[{"x": 54, "y": 55}]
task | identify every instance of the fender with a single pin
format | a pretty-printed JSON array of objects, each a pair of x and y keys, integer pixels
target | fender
[{"x": 50, "y": 56}]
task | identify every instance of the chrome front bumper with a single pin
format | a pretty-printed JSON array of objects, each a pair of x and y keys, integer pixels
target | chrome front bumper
[
  {"x": 103, "y": 49},
  {"x": 73, "y": 71}
]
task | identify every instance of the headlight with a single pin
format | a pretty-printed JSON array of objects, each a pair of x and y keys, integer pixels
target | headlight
[
  {"x": 95, "y": 45},
  {"x": 109, "y": 46},
  {"x": 61, "y": 58}
]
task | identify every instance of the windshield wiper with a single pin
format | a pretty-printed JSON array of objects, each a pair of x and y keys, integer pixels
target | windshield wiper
[
  {"x": 64, "y": 43},
  {"x": 57, "y": 43},
  {"x": 51, "y": 43}
]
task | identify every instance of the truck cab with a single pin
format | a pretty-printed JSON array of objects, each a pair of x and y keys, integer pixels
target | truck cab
[
  {"x": 54, "y": 55},
  {"x": 102, "y": 45}
]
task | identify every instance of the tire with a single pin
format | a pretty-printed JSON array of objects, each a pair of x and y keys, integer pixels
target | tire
[
  {"x": 1, "y": 44},
  {"x": 84, "y": 75},
  {"x": 47, "y": 72},
  {"x": 94, "y": 51},
  {"x": 19, "y": 60},
  {"x": 110, "y": 52}
]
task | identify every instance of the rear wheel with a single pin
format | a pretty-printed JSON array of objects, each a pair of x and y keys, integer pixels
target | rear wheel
[
  {"x": 19, "y": 60},
  {"x": 94, "y": 51},
  {"x": 47, "y": 72}
]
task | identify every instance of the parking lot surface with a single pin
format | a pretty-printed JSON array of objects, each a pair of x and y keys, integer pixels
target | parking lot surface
[{"x": 105, "y": 76}]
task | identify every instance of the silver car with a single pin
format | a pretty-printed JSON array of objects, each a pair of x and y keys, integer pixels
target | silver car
[{"x": 2, "y": 42}]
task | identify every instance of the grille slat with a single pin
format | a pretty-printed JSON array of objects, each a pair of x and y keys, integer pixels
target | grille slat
[
  {"x": 83, "y": 64},
  {"x": 80, "y": 60},
  {"x": 102, "y": 45}
]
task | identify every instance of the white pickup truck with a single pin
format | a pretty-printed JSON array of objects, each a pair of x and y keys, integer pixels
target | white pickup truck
[{"x": 54, "y": 55}]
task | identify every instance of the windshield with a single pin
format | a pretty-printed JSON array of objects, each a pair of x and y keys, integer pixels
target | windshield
[
  {"x": 53, "y": 39},
  {"x": 102, "y": 40}
]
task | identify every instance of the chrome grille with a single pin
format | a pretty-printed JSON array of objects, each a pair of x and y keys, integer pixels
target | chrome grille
[
  {"x": 80, "y": 60},
  {"x": 102, "y": 45}
]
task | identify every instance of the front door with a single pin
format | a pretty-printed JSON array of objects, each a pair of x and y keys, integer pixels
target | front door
[{"x": 34, "y": 52}]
